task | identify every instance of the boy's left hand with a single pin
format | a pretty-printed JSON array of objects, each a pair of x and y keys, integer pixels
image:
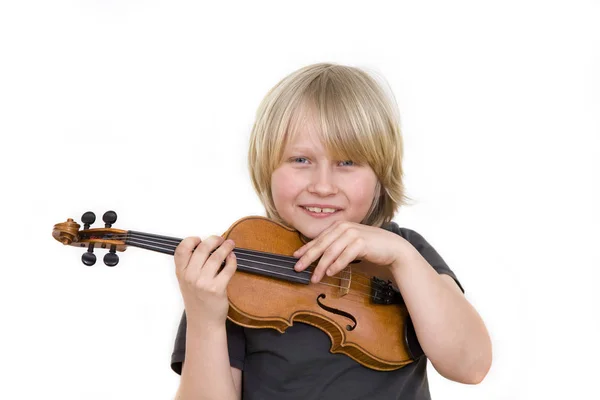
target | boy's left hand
[{"x": 343, "y": 242}]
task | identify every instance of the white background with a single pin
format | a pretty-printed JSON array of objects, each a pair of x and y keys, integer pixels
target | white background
[{"x": 145, "y": 108}]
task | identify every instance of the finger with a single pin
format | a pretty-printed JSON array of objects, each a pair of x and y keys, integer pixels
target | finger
[
  {"x": 350, "y": 253},
  {"x": 299, "y": 252},
  {"x": 214, "y": 262},
  {"x": 183, "y": 253},
  {"x": 312, "y": 254},
  {"x": 200, "y": 255},
  {"x": 208, "y": 245},
  {"x": 331, "y": 254},
  {"x": 227, "y": 272}
]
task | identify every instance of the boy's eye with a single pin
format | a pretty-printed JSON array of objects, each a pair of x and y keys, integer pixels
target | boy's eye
[{"x": 303, "y": 160}]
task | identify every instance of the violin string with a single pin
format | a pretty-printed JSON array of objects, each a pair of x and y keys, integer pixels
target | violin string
[
  {"x": 290, "y": 260},
  {"x": 162, "y": 246},
  {"x": 165, "y": 240},
  {"x": 354, "y": 293},
  {"x": 351, "y": 296},
  {"x": 250, "y": 253},
  {"x": 307, "y": 280},
  {"x": 351, "y": 292},
  {"x": 253, "y": 253},
  {"x": 175, "y": 241}
]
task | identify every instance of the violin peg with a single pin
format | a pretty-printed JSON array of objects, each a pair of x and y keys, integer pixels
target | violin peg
[
  {"x": 109, "y": 218},
  {"x": 111, "y": 258},
  {"x": 88, "y": 218},
  {"x": 89, "y": 258}
]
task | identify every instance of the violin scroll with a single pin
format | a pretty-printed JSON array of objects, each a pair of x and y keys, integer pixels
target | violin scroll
[
  {"x": 69, "y": 233},
  {"x": 66, "y": 232}
]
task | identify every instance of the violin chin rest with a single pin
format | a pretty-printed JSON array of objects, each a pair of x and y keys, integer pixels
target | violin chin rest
[{"x": 410, "y": 339}]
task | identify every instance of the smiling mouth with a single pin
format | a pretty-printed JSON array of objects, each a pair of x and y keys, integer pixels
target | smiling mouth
[{"x": 321, "y": 212}]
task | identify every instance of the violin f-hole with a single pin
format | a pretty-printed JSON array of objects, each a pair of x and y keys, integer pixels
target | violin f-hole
[{"x": 338, "y": 312}]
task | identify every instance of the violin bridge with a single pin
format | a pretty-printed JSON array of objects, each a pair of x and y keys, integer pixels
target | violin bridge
[{"x": 345, "y": 280}]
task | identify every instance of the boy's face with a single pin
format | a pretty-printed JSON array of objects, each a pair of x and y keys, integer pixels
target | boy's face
[{"x": 308, "y": 177}]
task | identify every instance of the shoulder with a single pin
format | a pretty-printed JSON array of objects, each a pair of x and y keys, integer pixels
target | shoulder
[
  {"x": 409, "y": 234},
  {"x": 424, "y": 248},
  {"x": 415, "y": 239}
]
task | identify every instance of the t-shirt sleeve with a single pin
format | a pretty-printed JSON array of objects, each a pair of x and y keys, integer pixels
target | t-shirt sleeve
[
  {"x": 236, "y": 345},
  {"x": 426, "y": 250}
]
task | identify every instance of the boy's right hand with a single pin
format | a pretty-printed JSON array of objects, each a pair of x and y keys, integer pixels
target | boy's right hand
[{"x": 203, "y": 287}]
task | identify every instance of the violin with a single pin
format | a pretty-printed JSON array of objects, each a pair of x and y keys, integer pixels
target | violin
[{"x": 364, "y": 316}]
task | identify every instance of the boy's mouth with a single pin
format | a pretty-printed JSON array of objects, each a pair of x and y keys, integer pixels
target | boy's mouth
[{"x": 320, "y": 212}]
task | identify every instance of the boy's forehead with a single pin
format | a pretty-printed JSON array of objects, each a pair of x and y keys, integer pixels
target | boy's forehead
[
  {"x": 307, "y": 139},
  {"x": 304, "y": 128},
  {"x": 306, "y": 134},
  {"x": 304, "y": 124}
]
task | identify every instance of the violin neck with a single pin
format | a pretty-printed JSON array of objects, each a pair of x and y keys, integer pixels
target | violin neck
[
  {"x": 253, "y": 261},
  {"x": 149, "y": 241}
]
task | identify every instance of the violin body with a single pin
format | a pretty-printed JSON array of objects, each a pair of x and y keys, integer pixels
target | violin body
[
  {"x": 378, "y": 338},
  {"x": 363, "y": 315}
]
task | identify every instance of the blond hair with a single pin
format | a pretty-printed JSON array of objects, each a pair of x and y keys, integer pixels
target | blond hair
[{"x": 358, "y": 121}]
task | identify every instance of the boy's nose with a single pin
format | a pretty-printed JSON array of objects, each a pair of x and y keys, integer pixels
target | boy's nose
[{"x": 323, "y": 184}]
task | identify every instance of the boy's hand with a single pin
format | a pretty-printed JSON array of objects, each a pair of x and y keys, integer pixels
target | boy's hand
[
  {"x": 343, "y": 242},
  {"x": 203, "y": 287}
]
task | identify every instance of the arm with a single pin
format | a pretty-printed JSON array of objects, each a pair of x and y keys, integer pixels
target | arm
[
  {"x": 206, "y": 373},
  {"x": 449, "y": 329}
]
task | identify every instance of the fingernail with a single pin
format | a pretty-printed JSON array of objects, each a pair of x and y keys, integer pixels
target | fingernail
[{"x": 298, "y": 265}]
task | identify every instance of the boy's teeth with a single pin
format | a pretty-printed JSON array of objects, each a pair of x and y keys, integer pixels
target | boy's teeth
[{"x": 318, "y": 209}]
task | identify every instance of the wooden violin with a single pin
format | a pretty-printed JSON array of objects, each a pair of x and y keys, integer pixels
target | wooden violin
[{"x": 364, "y": 316}]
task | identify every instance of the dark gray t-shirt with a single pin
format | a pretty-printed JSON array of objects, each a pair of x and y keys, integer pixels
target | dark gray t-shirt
[{"x": 297, "y": 364}]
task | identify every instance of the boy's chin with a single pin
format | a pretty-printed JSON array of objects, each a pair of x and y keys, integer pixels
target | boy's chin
[{"x": 312, "y": 230}]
